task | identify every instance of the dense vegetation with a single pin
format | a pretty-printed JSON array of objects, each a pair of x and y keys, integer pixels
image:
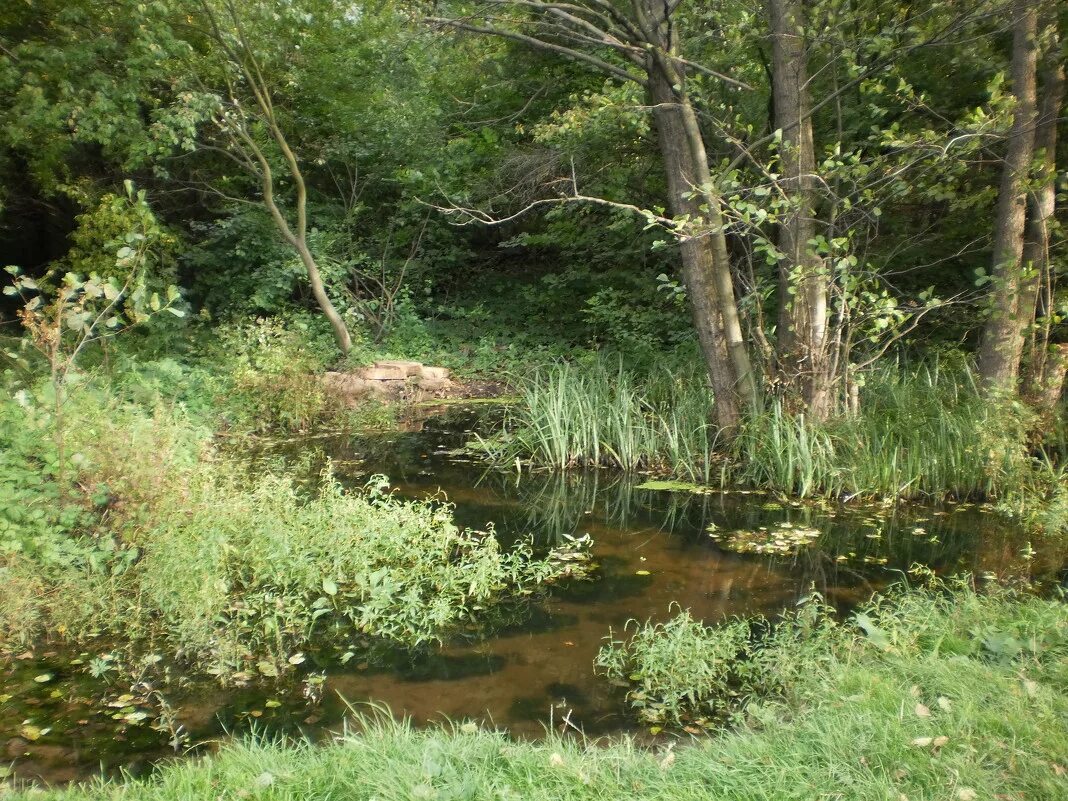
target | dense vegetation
[
  {"x": 938, "y": 696},
  {"x": 811, "y": 247}
]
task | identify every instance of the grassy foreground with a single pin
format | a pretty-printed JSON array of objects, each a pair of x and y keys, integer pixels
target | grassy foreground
[{"x": 940, "y": 695}]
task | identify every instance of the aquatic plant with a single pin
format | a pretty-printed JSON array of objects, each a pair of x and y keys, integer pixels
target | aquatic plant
[
  {"x": 599, "y": 413},
  {"x": 687, "y": 673},
  {"x": 237, "y": 572},
  {"x": 921, "y": 432},
  {"x": 931, "y": 711}
]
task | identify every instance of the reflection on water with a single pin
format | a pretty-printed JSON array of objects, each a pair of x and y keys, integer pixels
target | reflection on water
[{"x": 653, "y": 548}]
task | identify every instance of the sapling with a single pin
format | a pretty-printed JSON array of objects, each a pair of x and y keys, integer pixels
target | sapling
[{"x": 63, "y": 318}]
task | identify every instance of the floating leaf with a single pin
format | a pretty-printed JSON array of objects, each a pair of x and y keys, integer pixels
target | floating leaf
[
  {"x": 267, "y": 668},
  {"x": 44, "y": 678},
  {"x": 675, "y": 486}
]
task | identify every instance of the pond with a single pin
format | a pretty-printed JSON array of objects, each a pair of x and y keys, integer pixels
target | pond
[{"x": 64, "y": 716}]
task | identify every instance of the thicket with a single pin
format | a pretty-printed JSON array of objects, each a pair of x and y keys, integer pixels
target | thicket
[{"x": 154, "y": 533}]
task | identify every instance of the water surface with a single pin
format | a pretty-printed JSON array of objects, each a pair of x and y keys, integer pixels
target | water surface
[{"x": 655, "y": 554}]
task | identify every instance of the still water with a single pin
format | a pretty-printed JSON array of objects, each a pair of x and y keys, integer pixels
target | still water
[{"x": 656, "y": 551}]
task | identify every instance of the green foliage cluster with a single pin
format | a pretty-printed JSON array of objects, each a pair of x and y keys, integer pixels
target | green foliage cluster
[
  {"x": 683, "y": 672},
  {"x": 964, "y": 699},
  {"x": 923, "y": 431},
  {"x": 164, "y": 539},
  {"x": 920, "y": 432},
  {"x": 598, "y": 412},
  {"x": 272, "y": 365}
]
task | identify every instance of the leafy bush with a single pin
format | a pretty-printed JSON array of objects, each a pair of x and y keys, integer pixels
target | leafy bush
[
  {"x": 272, "y": 362},
  {"x": 230, "y": 570},
  {"x": 684, "y": 672},
  {"x": 678, "y": 670}
]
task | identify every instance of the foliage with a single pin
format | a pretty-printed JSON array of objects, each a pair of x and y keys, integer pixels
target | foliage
[
  {"x": 597, "y": 412},
  {"x": 273, "y": 365},
  {"x": 920, "y": 432},
  {"x": 234, "y": 570},
  {"x": 683, "y": 672},
  {"x": 952, "y": 709},
  {"x": 679, "y": 670}
]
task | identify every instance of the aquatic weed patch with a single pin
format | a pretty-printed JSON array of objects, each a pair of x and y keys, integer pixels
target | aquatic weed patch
[
  {"x": 231, "y": 572},
  {"x": 783, "y": 538}
]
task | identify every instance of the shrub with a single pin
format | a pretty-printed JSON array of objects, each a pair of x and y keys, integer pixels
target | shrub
[{"x": 233, "y": 570}]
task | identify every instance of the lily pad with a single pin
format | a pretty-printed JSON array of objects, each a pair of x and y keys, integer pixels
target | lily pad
[{"x": 675, "y": 486}]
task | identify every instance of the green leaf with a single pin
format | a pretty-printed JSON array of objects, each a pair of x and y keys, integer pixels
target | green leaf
[{"x": 879, "y": 638}]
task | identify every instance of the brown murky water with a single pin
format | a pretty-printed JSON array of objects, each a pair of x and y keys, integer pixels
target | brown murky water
[{"x": 654, "y": 551}]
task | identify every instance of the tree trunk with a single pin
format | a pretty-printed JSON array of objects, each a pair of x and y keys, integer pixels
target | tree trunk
[
  {"x": 802, "y": 325},
  {"x": 341, "y": 331},
  {"x": 697, "y": 252},
  {"x": 1002, "y": 339},
  {"x": 1041, "y": 207},
  {"x": 1046, "y": 392}
]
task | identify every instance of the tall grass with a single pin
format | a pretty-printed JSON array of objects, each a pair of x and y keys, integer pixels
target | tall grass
[
  {"x": 599, "y": 413},
  {"x": 921, "y": 432}
]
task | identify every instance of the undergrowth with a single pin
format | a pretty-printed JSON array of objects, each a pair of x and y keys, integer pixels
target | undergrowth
[
  {"x": 162, "y": 539},
  {"x": 937, "y": 694}
]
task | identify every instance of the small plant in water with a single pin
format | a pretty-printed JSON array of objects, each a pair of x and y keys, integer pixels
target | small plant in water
[{"x": 783, "y": 538}]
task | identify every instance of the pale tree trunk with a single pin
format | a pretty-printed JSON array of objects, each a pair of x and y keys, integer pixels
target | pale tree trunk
[
  {"x": 1041, "y": 208},
  {"x": 1002, "y": 339},
  {"x": 1046, "y": 392},
  {"x": 706, "y": 268},
  {"x": 802, "y": 324}
]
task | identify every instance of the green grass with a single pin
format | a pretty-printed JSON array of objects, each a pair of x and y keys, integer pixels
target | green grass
[
  {"x": 947, "y": 695},
  {"x": 598, "y": 413},
  {"x": 923, "y": 432}
]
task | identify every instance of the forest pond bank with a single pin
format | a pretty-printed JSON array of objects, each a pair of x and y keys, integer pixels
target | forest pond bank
[{"x": 64, "y": 716}]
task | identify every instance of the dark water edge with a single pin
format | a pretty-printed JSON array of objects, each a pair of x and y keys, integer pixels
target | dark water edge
[{"x": 60, "y": 723}]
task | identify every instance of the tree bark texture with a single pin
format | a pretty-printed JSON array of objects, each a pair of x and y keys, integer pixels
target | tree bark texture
[
  {"x": 1002, "y": 338},
  {"x": 1040, "y": 210},
  {"x": 803, "y": 291}
]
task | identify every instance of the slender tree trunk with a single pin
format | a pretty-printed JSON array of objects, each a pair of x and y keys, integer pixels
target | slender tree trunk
[
  {"x": 697, "y": 252},
  {"x": 1046, "y": 392},
  {"x": 341, "y": 331},
  {"x": 1041, "y": 207},
  {"x": 1002, "y": 339},
  {"x": 802, "y": 324}
]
